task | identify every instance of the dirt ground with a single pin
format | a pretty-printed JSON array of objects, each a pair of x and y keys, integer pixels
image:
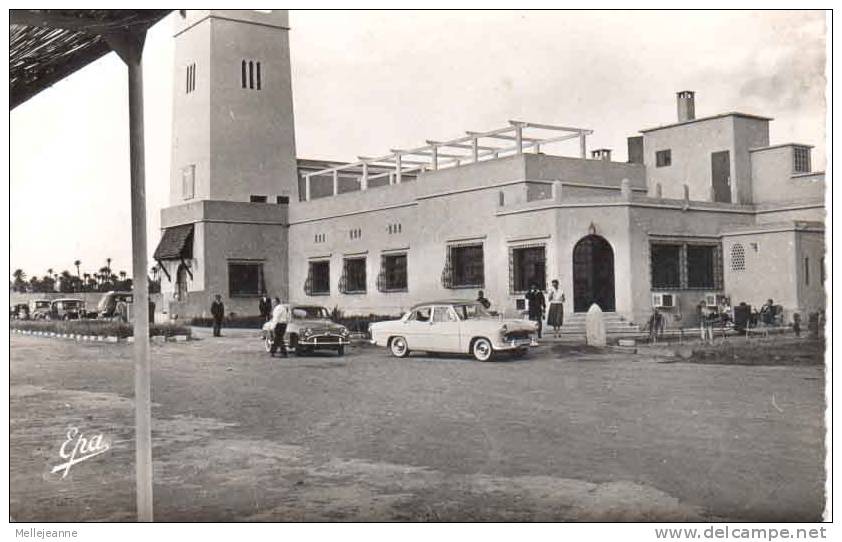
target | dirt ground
[{"x": 575, "y": 434}]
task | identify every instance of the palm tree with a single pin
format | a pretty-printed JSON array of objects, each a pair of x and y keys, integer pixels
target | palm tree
[
  {"x": 77, "y": 263},
  {"x": 66, "y": 284},
  {"x": 87, "y": 277},
  {"x": 108, "y": 265},
  {"x": 19, "y": 285}
]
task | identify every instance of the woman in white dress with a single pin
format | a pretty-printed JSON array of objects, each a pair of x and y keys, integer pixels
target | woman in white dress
[{"x": 555, "y": 314}]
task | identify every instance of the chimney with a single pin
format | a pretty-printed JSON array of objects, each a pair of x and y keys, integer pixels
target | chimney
[
  {"x": 601, "y": 154},
  {"x": 686, "y": 105}
]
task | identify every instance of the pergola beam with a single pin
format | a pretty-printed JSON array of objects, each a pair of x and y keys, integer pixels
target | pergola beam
[{"x": 394, "y": 164}]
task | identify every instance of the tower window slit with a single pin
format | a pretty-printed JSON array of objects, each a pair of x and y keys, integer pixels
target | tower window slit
[{"x": 251, "y": 74}]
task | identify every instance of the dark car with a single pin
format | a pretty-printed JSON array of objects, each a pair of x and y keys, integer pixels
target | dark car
[
  {"x": 67, "y": 309},
  {"x": 19, "y": 311},
  {"x": 310, "y": 328}
]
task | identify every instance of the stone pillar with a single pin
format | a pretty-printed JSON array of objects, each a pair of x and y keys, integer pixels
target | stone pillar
[
  {"x": 625, "y": 189},
  {"x": 557, "y": 191}
]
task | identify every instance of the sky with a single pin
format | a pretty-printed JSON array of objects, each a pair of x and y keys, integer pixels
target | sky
[{"x": 365, "y": 82}]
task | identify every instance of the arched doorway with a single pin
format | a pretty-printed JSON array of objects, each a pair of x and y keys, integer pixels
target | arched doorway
[
  {"x": 181, "y": 283},
  {"x": 593, "y": 274}
]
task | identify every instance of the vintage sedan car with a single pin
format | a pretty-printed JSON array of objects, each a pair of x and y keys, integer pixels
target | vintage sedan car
[
  {"x": 455, "y": 326},
  {"x": 19, "y": 311},
  {"x": 67, "y": 309},
  {"x": 39, "y": 309},
  {"x": 310, "y": 329}
]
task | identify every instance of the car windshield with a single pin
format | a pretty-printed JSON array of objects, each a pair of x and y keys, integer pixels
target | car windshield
[
  {"x": 470, "y": 311},
  {"x": 310, "y": 313},
  {"x": 42, "y": 304}
]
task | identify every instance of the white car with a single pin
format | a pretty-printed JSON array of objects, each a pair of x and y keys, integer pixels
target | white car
[{"x": 454, "y": 326}]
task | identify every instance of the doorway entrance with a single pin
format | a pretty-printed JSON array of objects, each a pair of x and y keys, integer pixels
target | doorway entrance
[
  {"x": 593, "y": 274},
  {"x": 720, "y": 174}
]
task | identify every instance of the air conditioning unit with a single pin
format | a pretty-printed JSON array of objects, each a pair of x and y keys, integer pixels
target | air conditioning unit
[{"x": 663, "y": 301}]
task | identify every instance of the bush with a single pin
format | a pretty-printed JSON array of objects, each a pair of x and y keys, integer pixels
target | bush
[{"x": 102, "y": 328}]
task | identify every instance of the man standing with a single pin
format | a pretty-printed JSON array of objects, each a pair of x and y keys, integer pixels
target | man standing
[
  {"x": 482, "y": 299},
  {"x": 265, "y": 308},
  {"x": 218, "y": 312},
  {"x": 280, "y": 319},
  {"x": 535, "y": 304}
]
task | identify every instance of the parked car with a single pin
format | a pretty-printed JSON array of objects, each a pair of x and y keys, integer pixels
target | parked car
[
  {"x": 19, "y": 311},
  {"x": 108, "y": 304},
  {"x": 67, "y": 309},
  {"x": 454, "y": 326},
  {"x": 310, "y": 329},
  {"x": 39, "y": 309}
]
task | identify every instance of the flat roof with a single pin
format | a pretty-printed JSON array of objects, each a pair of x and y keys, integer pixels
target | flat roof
[{"x": 702, "y": 119}]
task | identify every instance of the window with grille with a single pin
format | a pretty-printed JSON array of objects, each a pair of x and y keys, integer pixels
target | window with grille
[
  {"x": 738, "y": 257},
  {"x": 663, "y": 158},
  {"x": 801, "y": 159},
  {"x": 190, "y": 78},
  {"x": 250, "y": 76},
  {"x": 685, "y": 266},
  {"x": 318, "y": 278},
  {"x": 245, "y": 279},
  {"x": 666, "y": 266},
  {"x": 464, "y": 266},
  {"x": 393, "y": 273},
  {"x": 257, "y": 199},
  {"x": 527, "y": 266},
  {"x": 353, "y": 279},
  {"x": 700, "y": 266}
]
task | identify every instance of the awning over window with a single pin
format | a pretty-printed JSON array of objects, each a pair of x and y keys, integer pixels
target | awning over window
[{"x": 176, "y": 244}]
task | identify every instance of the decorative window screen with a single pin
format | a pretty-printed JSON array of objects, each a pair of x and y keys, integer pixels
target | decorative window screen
[{"x": 738, "y": 257}]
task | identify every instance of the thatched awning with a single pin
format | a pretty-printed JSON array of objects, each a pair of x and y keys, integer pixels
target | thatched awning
[{"x": 47, "y": 45}]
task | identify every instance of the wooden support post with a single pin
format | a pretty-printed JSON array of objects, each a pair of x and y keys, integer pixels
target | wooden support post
[
  {"x": 398, "y": 168},
  {"x": 307, "y": 185},
  {"x": 475, "y": 149},
  {"x": 435, "y": 156},
  {"x": 129, "y": 46},
  {"x": 335, "y": 182},
  {"x": 583, "y": 147},
  {"x": 364, "y": 180}
]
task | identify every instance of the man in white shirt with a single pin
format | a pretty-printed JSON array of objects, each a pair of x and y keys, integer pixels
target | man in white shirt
[{"x": 280, "y": 319}]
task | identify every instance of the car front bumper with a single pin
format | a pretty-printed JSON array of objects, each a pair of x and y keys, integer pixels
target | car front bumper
[
  {"x": 324, "y": 341},
  {"x": 513, "y": 344}
]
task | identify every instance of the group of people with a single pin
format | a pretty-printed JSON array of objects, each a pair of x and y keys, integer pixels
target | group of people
[{"x": 537, "y": 305}]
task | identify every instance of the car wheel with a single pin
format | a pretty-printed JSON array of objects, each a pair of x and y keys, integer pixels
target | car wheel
[
  {"x": 267, "y": 341},
  {"x": 399, "y": 347},
  {"x": 340, "y": 351},
  {"x": 482, "y": 349}
]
